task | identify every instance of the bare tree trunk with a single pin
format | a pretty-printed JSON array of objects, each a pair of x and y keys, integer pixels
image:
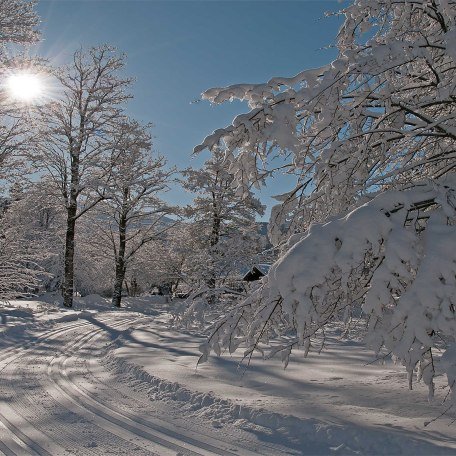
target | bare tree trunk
[
  {"x": 68, "y": 278},
  {"x": 120, "y": 262},
  {"x": 118, "y": 284},
  {"x": 72, "y": 208},
  {"x": 214, "y": 240}
]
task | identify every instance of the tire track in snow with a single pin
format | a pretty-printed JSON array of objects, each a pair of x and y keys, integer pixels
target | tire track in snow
[
  {"x": 122, "y": 391},
  {"x": 13, "y": 350},
  {"x": 127, "y": 429},
  {"x": 243, "y": 447},
  {"x": 28, "y": 442},
  {"x": 146, "y": 429},
  {"x": 26, "y": 403}
]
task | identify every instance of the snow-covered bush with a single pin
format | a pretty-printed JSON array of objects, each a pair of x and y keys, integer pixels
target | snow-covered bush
[{"x": 23, "y": 251}]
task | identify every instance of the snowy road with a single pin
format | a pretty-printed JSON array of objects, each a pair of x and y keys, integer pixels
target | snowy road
[
  {"x": 95, "y": 381},
  {"x": 57, "y": 399}
]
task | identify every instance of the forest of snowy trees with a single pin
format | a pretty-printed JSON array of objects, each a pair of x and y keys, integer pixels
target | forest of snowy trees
[
  {"x": 83, "y": 207},
  {"x": 367, "y": 235}
]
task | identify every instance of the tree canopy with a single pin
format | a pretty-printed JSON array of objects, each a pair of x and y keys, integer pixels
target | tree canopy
[{"x": 370, "y": 138}]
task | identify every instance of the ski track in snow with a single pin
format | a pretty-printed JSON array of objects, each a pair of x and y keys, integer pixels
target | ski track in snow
[
  {"x": 96, "y": 383},
  {"x": 54, "y": 402}
]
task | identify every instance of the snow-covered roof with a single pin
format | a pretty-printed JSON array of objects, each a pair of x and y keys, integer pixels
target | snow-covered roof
[{"x": 264, "y": 268}]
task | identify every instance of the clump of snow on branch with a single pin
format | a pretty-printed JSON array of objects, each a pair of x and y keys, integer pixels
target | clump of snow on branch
[{"x": 381, "y": 115}]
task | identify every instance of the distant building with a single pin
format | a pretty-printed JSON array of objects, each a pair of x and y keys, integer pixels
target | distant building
[{"x": 256, "y": 272}]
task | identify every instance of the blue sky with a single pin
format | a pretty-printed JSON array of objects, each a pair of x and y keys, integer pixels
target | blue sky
[{"x": 177, "y": 49}]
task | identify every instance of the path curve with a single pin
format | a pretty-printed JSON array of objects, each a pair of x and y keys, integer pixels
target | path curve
[{"x": 57, "y": 399}]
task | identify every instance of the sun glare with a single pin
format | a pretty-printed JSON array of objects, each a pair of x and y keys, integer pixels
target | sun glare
[{"x": 25, "y": 87}]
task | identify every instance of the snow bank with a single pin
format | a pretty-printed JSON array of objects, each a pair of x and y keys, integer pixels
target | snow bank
[
  {"x": 161, "y": 364},
  {"x": 310, "y": 435}
]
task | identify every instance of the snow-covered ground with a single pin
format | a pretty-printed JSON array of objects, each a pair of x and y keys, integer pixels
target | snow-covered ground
[{"x": 99, "y": 381}]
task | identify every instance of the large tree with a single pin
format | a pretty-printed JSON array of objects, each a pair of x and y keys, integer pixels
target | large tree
[
  {"x": 223, "y": 221},
  {"x": 371, "y": 137},
  {"x": 225, "y": 239},
  {"x": 76, "y": 137},
  {"x": 133, "y": 213}
]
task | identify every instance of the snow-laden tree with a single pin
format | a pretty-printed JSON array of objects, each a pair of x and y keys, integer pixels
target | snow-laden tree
[
  {"x": 132, "y": 214},
  {"x": 18, "y": 26},
  {"x": 35, "y": 211},
  {"x": 28, "y": 250},
  {"x": 380, "y": 116},
  {"x": 371, "y": 139},
  {"x": 76, "y": 137},
  {"x": 223, "y": 222},
  {"x": 225, "y": 236}
]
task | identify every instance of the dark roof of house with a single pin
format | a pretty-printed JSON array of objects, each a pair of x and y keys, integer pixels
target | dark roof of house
[{"x": 256, "y": 272}]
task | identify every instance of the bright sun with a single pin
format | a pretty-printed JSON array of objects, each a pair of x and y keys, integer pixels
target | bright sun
[{"x": 25, "y": 87}]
